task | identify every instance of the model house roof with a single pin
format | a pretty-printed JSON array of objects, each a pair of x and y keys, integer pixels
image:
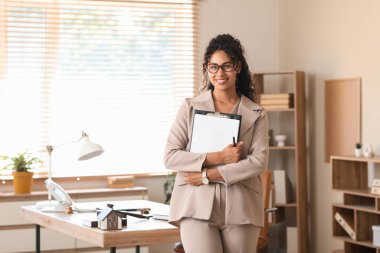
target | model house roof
[{"x": 106, "y": 211}]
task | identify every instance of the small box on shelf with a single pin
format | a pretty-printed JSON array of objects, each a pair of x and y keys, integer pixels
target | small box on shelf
[
  {"x": 120, "y": 181},
  {"x": 375, "y": 188},
  {"x": 376, "y": 235}
]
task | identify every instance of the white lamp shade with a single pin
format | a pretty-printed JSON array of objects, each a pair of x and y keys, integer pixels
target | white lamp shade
[{"x": 88, "y": 149}]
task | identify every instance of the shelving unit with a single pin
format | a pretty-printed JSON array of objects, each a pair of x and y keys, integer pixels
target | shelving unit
[
  {"x": 292, "y": 157},
  {"x": 350, "y": 176}
]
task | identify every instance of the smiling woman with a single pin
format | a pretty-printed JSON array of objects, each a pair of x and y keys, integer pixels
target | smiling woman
[{"x": 118, "y": 69}]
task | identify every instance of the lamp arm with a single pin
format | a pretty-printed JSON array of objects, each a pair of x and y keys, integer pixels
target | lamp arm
[{"x": 66, "y": 143}]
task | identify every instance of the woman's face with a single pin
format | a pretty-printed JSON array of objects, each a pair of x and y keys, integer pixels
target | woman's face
[{"x": 221, "y": 71}]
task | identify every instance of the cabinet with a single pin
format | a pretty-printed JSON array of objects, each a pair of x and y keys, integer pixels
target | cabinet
[
  {"x": 291, "y": 157},
  {"x": 350, "y": 176}
]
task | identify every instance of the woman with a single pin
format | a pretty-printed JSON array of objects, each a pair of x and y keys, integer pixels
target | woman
[{"x": 224, "y": 215}]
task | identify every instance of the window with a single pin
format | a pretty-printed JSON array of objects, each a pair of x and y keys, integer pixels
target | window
[{"x": 116, "y": 69}]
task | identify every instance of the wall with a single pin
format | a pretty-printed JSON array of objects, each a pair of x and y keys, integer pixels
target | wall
[
  {"x": 330, "y": 40},
  {"x": 253, "y": 22}
]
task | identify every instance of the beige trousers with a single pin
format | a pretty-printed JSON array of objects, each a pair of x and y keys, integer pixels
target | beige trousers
[{"x": 214, "y": 236}]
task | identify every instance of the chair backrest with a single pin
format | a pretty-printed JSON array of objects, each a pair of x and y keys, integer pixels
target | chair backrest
[{"x": 266, "y": 179}]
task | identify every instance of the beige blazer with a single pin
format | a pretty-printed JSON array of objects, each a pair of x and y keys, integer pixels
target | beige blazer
[{"x": 244, "y": 204}]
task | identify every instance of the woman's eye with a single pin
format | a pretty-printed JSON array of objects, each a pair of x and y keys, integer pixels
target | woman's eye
[
  {"x": 228, "y": 66},
  {"x": 213, "y": 67}
]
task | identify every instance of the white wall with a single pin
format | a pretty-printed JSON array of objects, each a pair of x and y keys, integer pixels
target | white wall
[
  {"x": 253, "y": 22},
  {"x": 330, "y": 40}
]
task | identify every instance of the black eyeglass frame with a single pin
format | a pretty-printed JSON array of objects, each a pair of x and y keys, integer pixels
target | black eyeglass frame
[{"x": 223, "y": 66}]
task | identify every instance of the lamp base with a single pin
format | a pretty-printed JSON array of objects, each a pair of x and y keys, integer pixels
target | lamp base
[{"x": 50, "y": 206}]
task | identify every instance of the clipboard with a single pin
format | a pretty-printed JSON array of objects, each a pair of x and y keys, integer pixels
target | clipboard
[{"x": 213, "y": 131}]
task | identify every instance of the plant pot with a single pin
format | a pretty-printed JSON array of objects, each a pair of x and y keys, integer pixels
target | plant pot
[
  {"x": 22, "y": 182},
  {"x": 358, "y": 152}
]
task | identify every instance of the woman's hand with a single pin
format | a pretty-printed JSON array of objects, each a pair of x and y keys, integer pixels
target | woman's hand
[
  {"x": 193, "y": 178},
  {"x": 231, "y": 154}
]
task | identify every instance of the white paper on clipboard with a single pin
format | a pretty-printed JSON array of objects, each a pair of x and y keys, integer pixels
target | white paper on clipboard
[{"x": 213, "y": 131}]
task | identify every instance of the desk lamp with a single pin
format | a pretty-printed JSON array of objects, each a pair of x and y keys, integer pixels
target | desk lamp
[{"x": 87, "y": 150}]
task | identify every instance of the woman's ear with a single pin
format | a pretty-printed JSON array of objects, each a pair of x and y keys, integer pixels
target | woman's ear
[{"x": 238, "y": 68}]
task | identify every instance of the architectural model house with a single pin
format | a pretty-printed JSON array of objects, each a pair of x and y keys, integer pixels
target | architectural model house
[{"x": 109, "y": 219}]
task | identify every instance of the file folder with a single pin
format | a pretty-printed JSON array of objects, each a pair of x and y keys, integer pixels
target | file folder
[{"x": 213, "y": 131}]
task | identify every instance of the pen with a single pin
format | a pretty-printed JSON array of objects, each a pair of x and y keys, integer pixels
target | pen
[{"x": 233, "y": 141}]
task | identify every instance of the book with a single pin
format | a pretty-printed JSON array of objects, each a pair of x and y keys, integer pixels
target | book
[
  {"x": 90, "y": 223},
  {"x": 160, "y": 217},
  {"x": 276, "y": 102},
  {"x": 282, "y": 106},
  {"x": 347, "y": 223},
  {"x": 282, "y": 194},
  {"x": 276, "y": 96}
]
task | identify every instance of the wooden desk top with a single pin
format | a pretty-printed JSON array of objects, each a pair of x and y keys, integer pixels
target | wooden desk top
[
  {"x": 138, "y": 231},
  {"x": 76, "y": 193}
]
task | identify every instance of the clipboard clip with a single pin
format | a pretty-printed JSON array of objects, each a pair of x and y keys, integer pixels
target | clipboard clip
[{"x": 217, "y": 114}]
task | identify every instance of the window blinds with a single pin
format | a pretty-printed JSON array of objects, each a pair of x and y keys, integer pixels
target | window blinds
[{"x": 115, "y": 69}]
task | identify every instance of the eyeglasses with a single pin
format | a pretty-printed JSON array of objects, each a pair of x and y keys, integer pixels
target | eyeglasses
[{"x": 214, "y": 68}]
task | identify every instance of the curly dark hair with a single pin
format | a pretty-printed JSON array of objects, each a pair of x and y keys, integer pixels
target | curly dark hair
[{"x": 233, "y": 48}]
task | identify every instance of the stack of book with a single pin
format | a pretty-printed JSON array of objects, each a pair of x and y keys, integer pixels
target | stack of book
[{"x": 277, "y": 100}]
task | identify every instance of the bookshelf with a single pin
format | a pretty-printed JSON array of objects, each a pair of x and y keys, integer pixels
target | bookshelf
[
  {"x": 350, "y": 176},
  {"x": 288, "y": 118}
]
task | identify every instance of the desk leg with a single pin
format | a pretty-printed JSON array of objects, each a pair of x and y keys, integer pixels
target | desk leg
[
  {"x": 113, "y": 250},
  {"x": 38, "y": 239},
  {"x": 137, "y": 248}
]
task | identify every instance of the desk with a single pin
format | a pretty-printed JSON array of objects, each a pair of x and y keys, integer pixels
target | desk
[{"x": 139, "y": 232}]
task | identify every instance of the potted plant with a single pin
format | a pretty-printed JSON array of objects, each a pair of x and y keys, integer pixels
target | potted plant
[
  {"x": 358, "y": 149},
  {"x": 21, "y": 164},
  {"x": 168, "y": 186}
]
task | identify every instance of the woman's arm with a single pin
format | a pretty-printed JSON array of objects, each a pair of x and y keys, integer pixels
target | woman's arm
[
  {"x": 257, "y": 158},
  {"x": 176, "y": 157},
  {"x": 252, "y": 165}
]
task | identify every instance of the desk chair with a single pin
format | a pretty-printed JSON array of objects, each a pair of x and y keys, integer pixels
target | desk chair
[{"x": 266, "y": 181}]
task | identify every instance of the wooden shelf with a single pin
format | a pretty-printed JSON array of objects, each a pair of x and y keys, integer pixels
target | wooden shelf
[
  {"x": 350, "y": 176},
  {"x": 282, "y": 148},
  {"x": 291, "y": 158},
  {"x": 279, "y": 110}
]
